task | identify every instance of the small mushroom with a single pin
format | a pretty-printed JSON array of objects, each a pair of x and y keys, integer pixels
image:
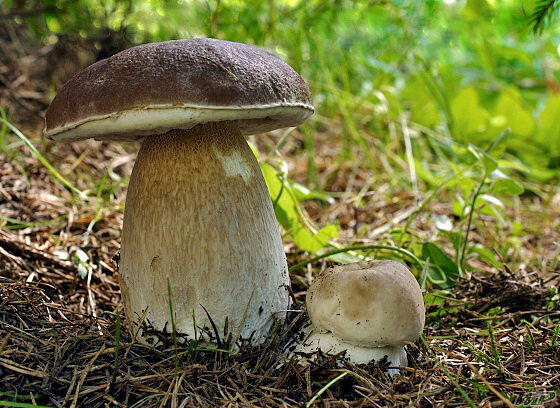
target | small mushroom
[
  {"x": 369, "y": 309},
  {"x": 198, "y": 210}
]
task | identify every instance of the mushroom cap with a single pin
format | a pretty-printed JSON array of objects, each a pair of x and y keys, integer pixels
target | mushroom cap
[
  {"x": 369, "y": 304},
  {"x": 157, "y": 87}
]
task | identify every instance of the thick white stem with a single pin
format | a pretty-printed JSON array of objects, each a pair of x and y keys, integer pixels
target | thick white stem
[
  {"x": 198, "y": 211},
  {"x": 314, "y": 340}
]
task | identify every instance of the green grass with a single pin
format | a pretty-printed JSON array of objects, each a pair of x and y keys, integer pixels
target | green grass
[
  {"x": 55, "y": 174},
  {"x": 393, "y": 91}
]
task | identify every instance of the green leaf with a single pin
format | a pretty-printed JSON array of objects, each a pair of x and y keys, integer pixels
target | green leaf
[
  {"x": 487, "y": 204},
  {"x": 469, "y": 117},
  {"x": 326, "y": 233},
  {"x": 344, "y": 258},
  {"x": 423, "y": 107},
  {"x": 437, "y": 276},
  {"x": 490, "y": 199},
  {"x": 498, "y": 145},
  {"x": 440, "y": 259},
  {"x": 458, "y": 208},
  {"x": 516, "y": 228},
  {"x": 510, "y": 105},
  {"x": 283, "y": 203},
  {"x": 486, "y": 255},
  {"x": 507, "y": 186},
  {"x": 489, "y": 163},
  {"x": 549, "y": 133},
  {"x": 302, "y": 193},
  {"x": 467, "y": 185},
  {"x": 288, "y": 216}
]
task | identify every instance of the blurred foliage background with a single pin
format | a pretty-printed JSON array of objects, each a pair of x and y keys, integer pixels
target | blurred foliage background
[
  {"x": 464, "y": 69},
  {"x": 459, "y": 96}
]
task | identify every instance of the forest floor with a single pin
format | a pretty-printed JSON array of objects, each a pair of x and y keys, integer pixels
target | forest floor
[{"x": 491, "y": 340}]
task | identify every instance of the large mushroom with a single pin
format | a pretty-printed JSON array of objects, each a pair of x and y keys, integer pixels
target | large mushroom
[
  {"x": 197, "y": 210},
  {"x": 368, "y": 309}
]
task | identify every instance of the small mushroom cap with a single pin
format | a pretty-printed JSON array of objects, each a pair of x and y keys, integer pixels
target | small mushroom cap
[
  {"x": 369, "y": 304},
  {"x": 157, "y": 87}
]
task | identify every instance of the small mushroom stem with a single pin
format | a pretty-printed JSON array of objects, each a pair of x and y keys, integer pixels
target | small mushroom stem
[
  {"x": 198, "y": 211},
  {"x": 314, "y": 340}
]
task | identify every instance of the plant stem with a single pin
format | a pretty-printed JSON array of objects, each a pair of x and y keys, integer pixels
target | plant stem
[
  {"x": 358, "y": 247},
  {"x": 461, "y": 260}
]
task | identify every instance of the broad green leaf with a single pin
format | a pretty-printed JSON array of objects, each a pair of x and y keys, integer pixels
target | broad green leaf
[
  {"x": 437, "y": 276},
  {"x": 486, "y": 255},
  {"x": 468, "y": 115},
  {"x": 422, "y": 105},
  {"x": 288, "y": 216},
  {"x": 498, "y": 175},
  {"x": 284, "y": 205},
  {"x": 507, "y": 186},
  {"x": 517, "y": 117},
  {"x": 440, "y": 259},
  {"x": 326, "y": 233},
  {"x": 303, "y": 239},
  {"x": 467, "y": 185},
  {"x": 458, "y": 208},
  {"x": 487, "y": 204},
  {"x": 549, "y": 133}
]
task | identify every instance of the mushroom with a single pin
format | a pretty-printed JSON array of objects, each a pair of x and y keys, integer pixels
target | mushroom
[
  {"x": 370, "y": 309},
  {"x": 197, "y": 210}
]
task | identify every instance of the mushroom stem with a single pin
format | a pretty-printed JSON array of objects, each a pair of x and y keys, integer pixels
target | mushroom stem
[
  {"x": 198, "y": 211},
  {"x": 328, "y": 343}
]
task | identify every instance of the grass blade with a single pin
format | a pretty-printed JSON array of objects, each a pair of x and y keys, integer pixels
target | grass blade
[
  {"x": 325, "y": 388},
  {"x": 40, "y": 157}
]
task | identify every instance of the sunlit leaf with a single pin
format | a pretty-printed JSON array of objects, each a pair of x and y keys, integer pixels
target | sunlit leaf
[
  {"x": 517, "y": 115},
  {"x": 443, "y": 223},
  {"x": 549, "y": 129},
  {"x": 507, "y": 186},
  {"x": 344, "y": 258},
  {"x": 491, "y": 200},
  {"x": 288, "y": 216},
  {"x": 469, "y": 116},
  {"x": 423, "y": 108}
]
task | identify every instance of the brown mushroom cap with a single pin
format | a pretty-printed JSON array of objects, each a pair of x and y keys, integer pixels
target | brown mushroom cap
[
  {"x": 157, "y": 87},
  {"x": 368, "y": 304}
]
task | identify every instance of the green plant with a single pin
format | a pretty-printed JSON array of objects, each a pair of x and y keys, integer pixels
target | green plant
[
  {"x": 542, "y": 13},
  {"x": 286, "y": 197},
  {"x": 325, "y": 388},
  {"x": 56, "y": 175},
  {"x": 453, "y": 381}
]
